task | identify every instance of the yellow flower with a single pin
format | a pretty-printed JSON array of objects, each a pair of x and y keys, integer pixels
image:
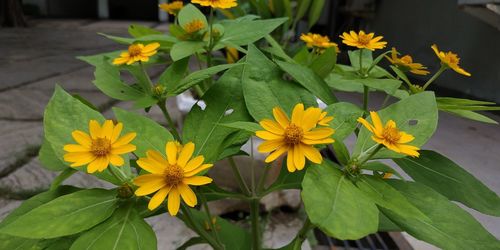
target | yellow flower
[
  {"x": 406, "y": 63},
  {"x": 172, "y": 8},
  {"x": 137, "y": 52},
  {"x": 297, "y": 136},
  {"x": 324, "y": 120},
  {"x": 221, "y": 4},
  {"x": 194, "y": 26},
  {"x": 450, "y": 60},
  {"x": 232, "y": 55},
  {"x": 390, "y": 136},
  {"x": 318, "y": 42},
  {"x": 362, "y": 40},
  {"x": 171, "y": 176},
  {"x": 101, "y": 147}
]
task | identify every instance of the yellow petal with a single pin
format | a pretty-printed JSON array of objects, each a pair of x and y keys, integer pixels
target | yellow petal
[
  {"x": 198, "y": 170},
  {"x": 80, "y": 159},
  {"x": 75, "y": 148},
  {"x": 311, "y": 153},
  {"x": 298, "y": 157},
  {"x": 436, "y": 50},
  {"x": 171, "y": 150},
  {"x": 147, "y": 178},
  {"x": 174, "y": 202},
  {"x": 377, "y": 123},
  {"x": 194, "y": 163},
  {"x": 281, "y": 117},
  {"x": 409, "y": 150},
  {"x": 158, "y": 198},
  {"x": 82, "y": 138},
  {"x": 95, "y": 129},
  {"x": 197, "y": 180},
  {"x": 298, "y": 114},
  {"x": 366, "y": 124},
  {"x": 99, "y": 164},
  {"x": 150, "y": 47},
  {"x": 269, "y": 146},
  {"x": 116, "y": 132},
  {"x": 122, "y": 149},
  {"x": 274, "y": 155},
  {"x": 266, "y": 135},
  {"x": 116, "y": 160},
  {"x": 310, "y": 119},
  {"x": 185, "y": 155},
  {"x": 315, "y": 142},
  {"x": 150, "y": 166},
  {"x": 272, "y": 126},
  {"x": 319, "y": 133},
  {"x": 405, "y": 138},
  {"x": 120, "y": 60},
  {"x": 290, "y": 164},
  {"x": 156, "y": 157},
  {"x": 126, "y": 139},
  {"x": 107, "y": 129},
  {"x": 150, "y": 187},
  {"x": 187, "y": 195}
]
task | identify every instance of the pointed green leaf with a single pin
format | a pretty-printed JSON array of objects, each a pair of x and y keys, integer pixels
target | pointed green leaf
[{"x": 345, "y": 116}]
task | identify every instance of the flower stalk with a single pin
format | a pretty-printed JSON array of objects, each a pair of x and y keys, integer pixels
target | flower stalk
[{"x": 435, "y": 76}]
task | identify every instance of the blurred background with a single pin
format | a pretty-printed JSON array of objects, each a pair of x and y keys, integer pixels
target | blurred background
[{"x": 40, "y": 40}]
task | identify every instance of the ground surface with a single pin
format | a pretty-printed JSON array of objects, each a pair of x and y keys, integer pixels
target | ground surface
[{"x": 34, "y": 59}]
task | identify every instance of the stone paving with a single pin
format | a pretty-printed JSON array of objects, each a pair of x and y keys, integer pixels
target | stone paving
[{"x": 34, "y": 59}]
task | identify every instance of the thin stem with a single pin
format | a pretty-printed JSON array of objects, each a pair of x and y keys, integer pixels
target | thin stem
[
  {"x": 209, "y": 216},
  {"x": 62, "y": 177},
  {"x": 118, "y": 177},
  {"x": 379, "y": 146},
  {"x": 210, "y": 38},
  {"x": 171, "y": 124},
  {"x": 441, "y": 70},
  {"x": 254, "y": 217},
  {"x": 196, "y": 227},
  {"x": 366, "y": 91},
  {"x": 302, "y": 234},
  {"x": 263, "y": 178},
  {"x": 361, "y": 61},
  {"x": 239, "y": 178},
  {"x": 386, "y": 99}
]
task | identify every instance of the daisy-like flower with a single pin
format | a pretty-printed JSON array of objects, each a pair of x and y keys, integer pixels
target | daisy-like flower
[
  {"x": 137, "y": 53},
  {"x": 362, "y": 40},
  {"x": 406, "y": 63},
  {"x": 390, "y": 136},
  {"x": 194, "y": 26},
  {"x": 220, "y": 4},
  {"x": 103, "y": 146},
  {"x": 450, "y": 59},
  {"x": 172, "y": 8},
  {"x": 296, "y": 137},
  {"x": 171, "y": 176},
  {"x": 318, "y": 42}
]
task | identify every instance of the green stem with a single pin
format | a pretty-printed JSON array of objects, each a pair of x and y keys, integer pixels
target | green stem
[
  {"x": 149, "y": 85},
  {"x": 366, "y": 92},
  {"x": 254, "y": 217},
  {"x": 210, "y": 38},
  {"x": 361, "y": 61},
  {"x": 62, "y": 177},
  {"x": 262, "y": 179},
  {"x": 379, "y": 146},
  {"x": 302, "y": 234},
  {"x": 121, "y": 177},
  {"x": 441, "y": 70},
  {"x": 171, "y": 124},
  {"x": 196, "y": 227},
  {"x": 386, "y": 99},
  {"x": 239, "y": 178},
  {"x": 209, "y": 217}
]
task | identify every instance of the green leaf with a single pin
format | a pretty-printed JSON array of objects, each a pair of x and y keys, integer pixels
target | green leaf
[
  {"x": 264, "y": 88},
  {"x": 37, "y": 201},
  {"x": 63, "y": 115},
  {"x": 449, "y": 179},
  {"x": 341, "y": 152},
  {"x": 150, "y": 135},
  {"x": 276, "y": 49},
  {"x": 401, "y": 74},
  {"x": 174, "y": 74},
  {"x": 416, "y": 115},
  {"x": 125, "y": 229},
  {"x": 345, "y": 116},
  {"x": 286, "y": 180},
  {"x": 309, "y": 80},
  {"x": 367, "y": 58},
  {"x": 65, "y": 215},
  {"x": 189, "y": 13},
  {"x": 346, "y": 80},
  {"x": 380, "y": 167},
  {"x": 184, "y": 49},
  {"x": 224, "y": 104},
  {"x": 324, "y": 63},
  {"x": 48, "y": 158},
  {"x": 450, "y": 226},
  {"x": 336, "y": 205},
  {"x": 11, "y": 242},
  {"x": 137, "y": 30},
  {"x": 387, "y": 197},
  {"x": 470, "y": 115},
  {"x": 303, "y": 6},
  {"x": 251, "y": 127},
  {"x": 213, "y": 192},
  {"x": 386, "y": 225},
  {"x": 244, "y": 31},
  {"x": 315, "y": 11},
  {"x": 192, "y": 242},
  {"x": 461, "y": 102},
  {"x": 198, "y": 76}
]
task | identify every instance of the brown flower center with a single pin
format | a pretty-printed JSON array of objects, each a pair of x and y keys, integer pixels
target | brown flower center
[
  {"x": 100, "y": 147},
  {"x": 452, "y": 58},
  {"x": 194, "y": 26},
  {"x": 173, "y": 175},
  {"x": 364, "y": 39},
  {"x": 391, "y": 134},
  {"x": 134, "y": 50},
  {"x": 293, "y": 134}
]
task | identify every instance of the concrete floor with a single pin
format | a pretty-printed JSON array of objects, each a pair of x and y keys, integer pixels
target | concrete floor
[{"x": 34, "y": 59}]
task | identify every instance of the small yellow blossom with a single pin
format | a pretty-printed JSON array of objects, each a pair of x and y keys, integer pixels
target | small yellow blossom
[
  {"x": 194, "y": 26},
  {"x": 318, "y": 42},
  {"x": 450, "y": 59},
  {"x": 390, "y": 136},
  {"x": 362, "y": 40},
  {"x": 406, "y": 63},
  {"x": 297, "y": 136},
  {"x": 220, "y": 4},
  {"x": 171, "y": 176},
  {"x": 137, "y": 53},
  {"x": 101, "y": 147},
  {"x": 231, "y": 55},
  {"x": 172, "y": 8}
]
